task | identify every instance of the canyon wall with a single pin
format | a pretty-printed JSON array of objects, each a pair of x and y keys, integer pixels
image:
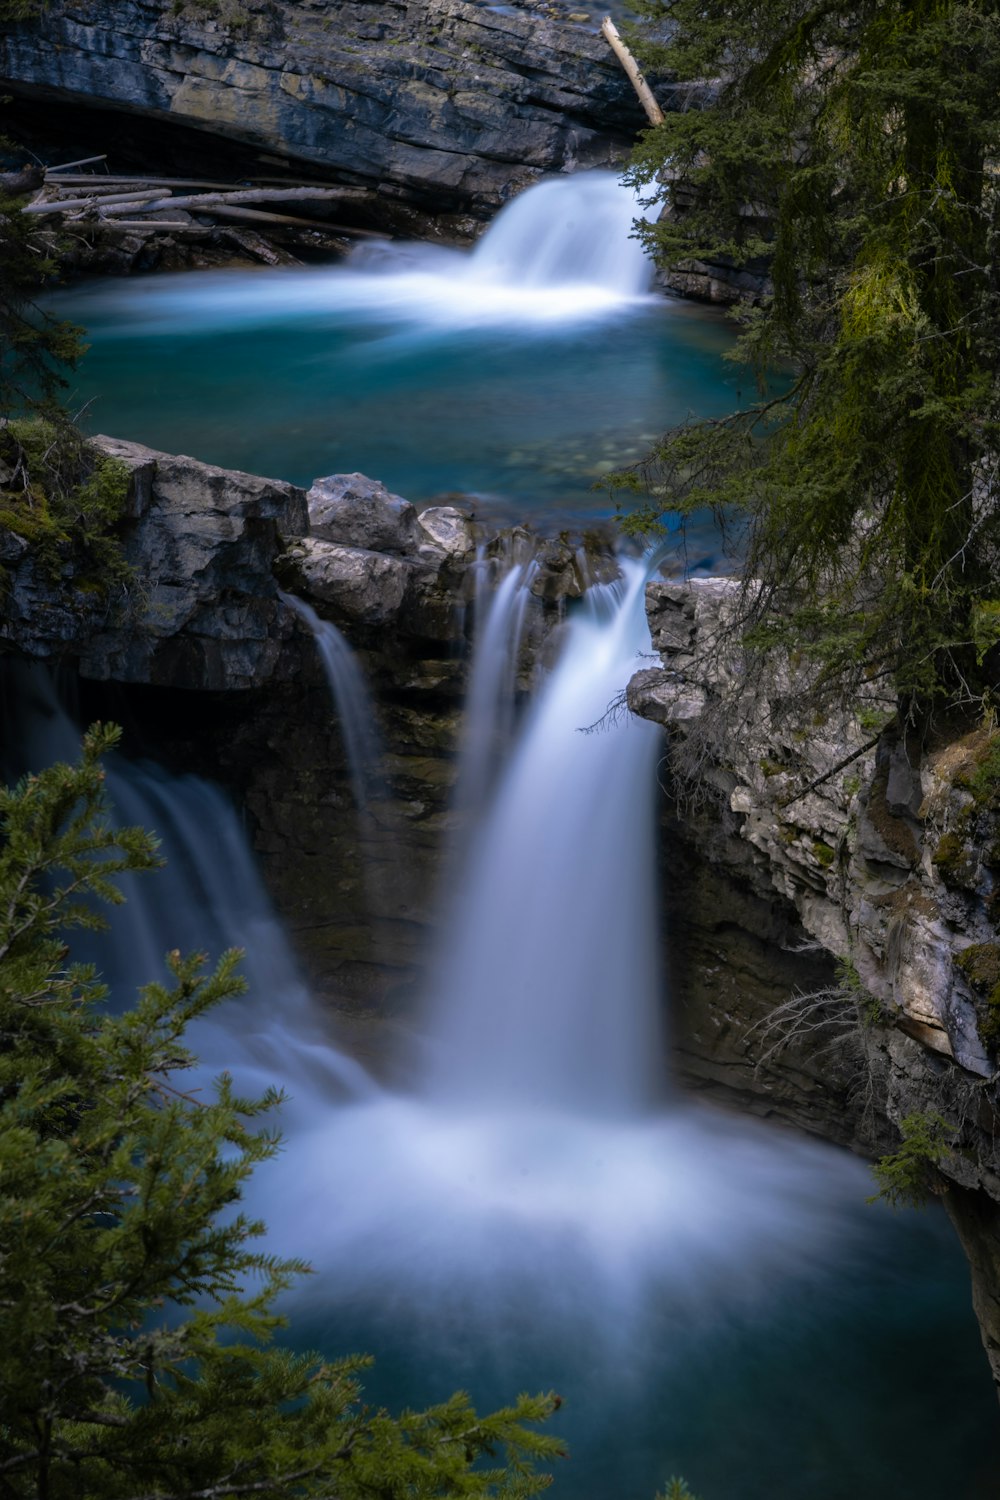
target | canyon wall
[{"x": 445, "y": 104}]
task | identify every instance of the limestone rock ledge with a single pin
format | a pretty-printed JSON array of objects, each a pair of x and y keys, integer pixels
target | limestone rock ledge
[
  {"x": 451, "y": 105},
  {"x": 888, "y": 856},
  {"x": 211, "y": 551}
]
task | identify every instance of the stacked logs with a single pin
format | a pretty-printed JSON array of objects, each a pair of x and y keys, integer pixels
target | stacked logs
[{"x": 72, "y": 197}]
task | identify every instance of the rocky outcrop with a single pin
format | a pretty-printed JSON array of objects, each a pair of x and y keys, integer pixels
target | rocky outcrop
[
  {"x": 449, "y": 104},
  {"x": 886, "y": 855},
  {"x": 201, "y": 606},
  {"x": 209, "y": 552},
  {"x": 205, "y": 660}
]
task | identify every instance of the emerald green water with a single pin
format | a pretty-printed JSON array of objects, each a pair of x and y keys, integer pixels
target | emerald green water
[{"x": 521, "y": 421}]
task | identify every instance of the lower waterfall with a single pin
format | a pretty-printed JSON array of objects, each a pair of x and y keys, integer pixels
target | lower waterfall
[{"x": 538, "y": 1209}]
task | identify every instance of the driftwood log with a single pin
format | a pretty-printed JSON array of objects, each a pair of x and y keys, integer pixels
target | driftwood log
[
  {"x": 113, "y": 201},
  {"x": 647, "y": 98}
]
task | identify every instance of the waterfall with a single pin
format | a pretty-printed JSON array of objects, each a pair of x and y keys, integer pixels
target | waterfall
[
  {"x": 547, "y": 993},
  {"x": 560, "y": 252},
  {"x": 536, "y": 1176},
  {"x": 208, "y": 897},
  {"x": 351, "y": 699},
  {"x": 489, "y": 710},
  {"x": 567, "y": 231},
  {"x": 531, "y": 1188}
]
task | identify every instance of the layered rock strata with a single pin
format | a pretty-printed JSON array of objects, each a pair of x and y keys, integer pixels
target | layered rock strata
[
  {"x": 888, "y": 855},
  {"x": 448, "y": 104}
]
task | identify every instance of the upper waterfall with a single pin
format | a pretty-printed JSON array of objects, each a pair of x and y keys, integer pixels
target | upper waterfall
[
  {"x": 568, "y": 231},
  {"x": 560, "y": 252}
]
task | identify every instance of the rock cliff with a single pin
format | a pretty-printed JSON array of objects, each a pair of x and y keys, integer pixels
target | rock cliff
[
  {"x": 887, "y": 854},
  {"x": 448, "y": 104},
  {"x": 830, "y": 901}
]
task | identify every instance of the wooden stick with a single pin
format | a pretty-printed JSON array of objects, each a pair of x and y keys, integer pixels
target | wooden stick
[
  {"x": 151, "y": 225},
  {"x": 647, "y": 99},
  {"x": 206, "y": 201},
  {"x": 84, "y": 161},
  {"x": 67, "y": 205},
  {"x": 93, "y": 180},
  {"x": 258, "y": 216}
]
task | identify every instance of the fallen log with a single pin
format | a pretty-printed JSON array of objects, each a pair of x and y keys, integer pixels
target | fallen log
[
  {"x": 85, "y": 161},
  {"x": 203, "y": 202},
  {"x": 72, "y": 205},
  {"x": 95, "y": 182},
  {"x": 260, "y": 216},
  {"x": 647, "y": 98},
  {"x": 151, "y": 225}
]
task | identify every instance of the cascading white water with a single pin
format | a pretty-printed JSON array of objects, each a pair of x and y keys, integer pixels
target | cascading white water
[
  {"x": 351, "y": 699},
  {"x": 529, "y": 1175},
  {"x": 207, "y": 898},
  {"x": 531, "y": 1190},
  {"x": 547, "y": 991},
  {"x": 537, "y": 1172},
  {"x": 489, "y": 709},
  {"x": 566, "y": 232},
  {"x": 559, "y": 252}
]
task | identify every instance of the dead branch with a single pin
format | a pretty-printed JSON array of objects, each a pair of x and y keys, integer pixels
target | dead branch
[{"x": 647, "y": 98}]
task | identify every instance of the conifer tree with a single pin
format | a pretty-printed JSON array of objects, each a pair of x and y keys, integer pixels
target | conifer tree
[
  {"x": 136, "y": 1307},
  {"x": 853, "y": 150}
]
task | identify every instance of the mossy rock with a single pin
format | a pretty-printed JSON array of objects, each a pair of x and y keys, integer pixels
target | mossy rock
[
  {"x": 823, "y": 853},
  {"x": 981, "y": 966},
  {"x": 66, "y": 500},
  {"x": 955, "y": 861}
]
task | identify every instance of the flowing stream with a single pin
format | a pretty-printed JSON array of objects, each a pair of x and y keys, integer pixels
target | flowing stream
[{"x": 538, "y": 1206}]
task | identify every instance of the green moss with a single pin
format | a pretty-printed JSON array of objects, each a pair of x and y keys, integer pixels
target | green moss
[
  {"x": 66, "y": 500},
  {"x": 954, "y": 860},
  {"x": 771, "y": 767},
  {"x": 981, "y": 966},
  {"x": 982, "y": 778},
  {"x": 823, "y": 853}
]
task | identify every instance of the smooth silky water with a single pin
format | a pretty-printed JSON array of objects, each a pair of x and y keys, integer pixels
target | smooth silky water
[
  {"x": 517, "y": 375},
  {"x": 540, "y": 1206}
]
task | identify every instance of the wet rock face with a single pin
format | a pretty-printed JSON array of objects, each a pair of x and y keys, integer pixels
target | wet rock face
[
  {"x": 202, "y": 607},
  {"x": 886, "y": 856},
  {"x": 448, "y": 104}
]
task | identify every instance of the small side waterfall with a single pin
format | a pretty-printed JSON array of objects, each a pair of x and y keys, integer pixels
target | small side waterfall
[
  {"x": 351, "y": 698},
  {"x": 207, "y": 898},
  {"x": 489, "y": 710}
]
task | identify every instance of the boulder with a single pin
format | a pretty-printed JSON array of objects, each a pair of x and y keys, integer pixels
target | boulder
[
  {"x": 355, "y": 511},
  {"x": 450, "y": 529},
  {"x": 358, "y": 585}
]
